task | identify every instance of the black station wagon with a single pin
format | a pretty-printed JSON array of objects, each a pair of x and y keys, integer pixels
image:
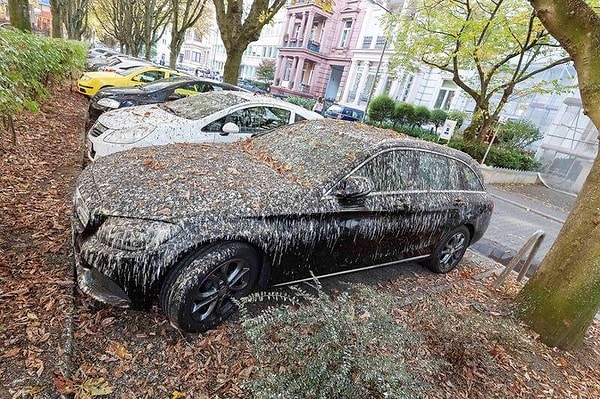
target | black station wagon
[{"x": 196, "y": 224}]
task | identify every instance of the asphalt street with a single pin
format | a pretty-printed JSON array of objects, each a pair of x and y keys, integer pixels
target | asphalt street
[{"x": 519, "y": 212}]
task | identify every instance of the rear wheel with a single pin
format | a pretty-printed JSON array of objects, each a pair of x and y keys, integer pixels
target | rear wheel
[
  {"x": 449, "y": 251},
  {"x": 196, "y": 295}
]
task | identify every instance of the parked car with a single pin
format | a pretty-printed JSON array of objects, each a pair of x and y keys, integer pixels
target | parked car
[
  {"x": 90, "y": 82},
  {"x": 337, "y": 111},
  {"x": 196, "y": 225},
  {"x": 121, "y": 63},
  {"x": 153, "y": 93},
  {"x": 215, "y": 116}
]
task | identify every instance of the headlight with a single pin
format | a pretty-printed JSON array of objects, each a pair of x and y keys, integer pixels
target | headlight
[
  {"x": 135, "y": 234},
  {"x": 128, "y": 136},
  {"x": 109, "y": 103},
  {"x": 85, "y": 78},
  {"x": 81, "y": 210}
]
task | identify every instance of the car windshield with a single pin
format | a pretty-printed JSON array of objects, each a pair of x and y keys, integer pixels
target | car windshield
[
  {"x": 160, "y": 84},
  {"x": 301, "y": 152},
  {"x": 335, "y": 108},
  {"x": 130, "y": 71},
  {"x": 203, "y": 104}
]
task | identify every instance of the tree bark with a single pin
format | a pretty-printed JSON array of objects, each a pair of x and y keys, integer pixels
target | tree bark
[
  {"x": 559, "y": 302},
  {"x": 18, "y": 11},
  {"x": 237, "y": 33},
  {"x": 56, "y": 8}
]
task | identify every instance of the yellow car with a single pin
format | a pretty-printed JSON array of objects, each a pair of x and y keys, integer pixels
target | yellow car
[{"x": 91, "y": 82}]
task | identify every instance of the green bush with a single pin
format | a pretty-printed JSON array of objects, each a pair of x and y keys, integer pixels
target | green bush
[
  {"x": 301, "y": 101},
  {"x": 381, "y": 108},
  {"x": 498, "y": 156},
  {"x": 421, "y": 116},
  {"x": 457, "y": 116},
  {"x": 438, "y": 117},
  {"x": 518, "y": 134},
  {"x": 403, "y": 113},
  {"x": 345, "y": 347},
  {"x": 29, "y": 64}
]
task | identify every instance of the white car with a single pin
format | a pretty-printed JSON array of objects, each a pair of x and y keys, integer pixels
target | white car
[
  {"x": 216, "y": 116},
  {"x": 121, "y": 63}
]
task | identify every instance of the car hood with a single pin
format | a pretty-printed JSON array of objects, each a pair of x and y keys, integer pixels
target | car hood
[
  {"x": 180, "y": 181},
  {"x": 125, "y": 91},
  {"x": 144, "y": 115}
]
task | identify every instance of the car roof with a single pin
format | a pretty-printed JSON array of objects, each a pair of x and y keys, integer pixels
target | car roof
[{"x": 248, "y": 98}]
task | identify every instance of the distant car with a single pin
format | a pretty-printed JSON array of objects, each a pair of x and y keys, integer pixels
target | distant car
[
  {"x": 215, "y": 116},
  {"x": 197, "y": 225},
  {"x": 153, "y": 93},
  {"x": 121, "y": 63},
  {"x": 91, "y": 82},
  {"x": 337, "y": 111}
]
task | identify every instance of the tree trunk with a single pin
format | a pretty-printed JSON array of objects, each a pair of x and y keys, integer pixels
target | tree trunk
[
  {"x": 231, "y": 70},
  {"x": 18, "y": 11},
  {"x": 57, "y": 16},
  {"x": 561, "y": 299}
]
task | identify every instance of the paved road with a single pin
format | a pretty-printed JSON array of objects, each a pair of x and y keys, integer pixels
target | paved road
[{"x": 517, "y": 216}]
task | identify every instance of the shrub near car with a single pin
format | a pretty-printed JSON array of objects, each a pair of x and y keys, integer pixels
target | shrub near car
[
  {"x": 217, "y": 116},
  {"x": 152, "y": 93},
  {"x": 90, "y": 82},
  {"x": 196, "y": 225}
]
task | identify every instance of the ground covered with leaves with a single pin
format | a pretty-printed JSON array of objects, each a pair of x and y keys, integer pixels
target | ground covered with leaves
[{"x": 459, "y": 338}]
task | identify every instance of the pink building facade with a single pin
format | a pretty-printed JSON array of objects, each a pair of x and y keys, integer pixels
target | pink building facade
[{"x": 316, "y": 48}]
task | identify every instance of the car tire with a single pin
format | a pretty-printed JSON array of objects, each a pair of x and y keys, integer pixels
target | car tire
[
  {"x": 449, "y": 251},
  {"x": 196, "y": 295}
]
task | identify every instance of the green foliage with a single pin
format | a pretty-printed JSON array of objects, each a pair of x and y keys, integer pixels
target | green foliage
[
  {"x": 438, "y": 117},
  {"x": 381, "y": 108},
  {"x": 301, "y": 101},
  {"x": 346, "y": 347},
  {"x": 498, "y": 156},
  {"x": 421, "y": 116},
  {"x": 457, "y": 116},
  {"x": 266, "y": 70},
  {"x": 403, "y": 113},
  {"x": 29, "y": 64},
  {"x": 518, "y": 134},
  {"x": 503, "y": 40}
]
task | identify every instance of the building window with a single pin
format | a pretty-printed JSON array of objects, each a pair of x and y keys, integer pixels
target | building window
[
  {"x": 445, "y": 95},
  {"x": 345, "y": 33},
  {"x": 380, "y": 42},
  {"x": 367, "y": 41}
]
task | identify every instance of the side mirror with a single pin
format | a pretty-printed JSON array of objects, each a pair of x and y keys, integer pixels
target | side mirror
[
  {"x": 229, "y": 127},
  {"x": 354, "y": 188},
  {"x": 137, "y": 78}
]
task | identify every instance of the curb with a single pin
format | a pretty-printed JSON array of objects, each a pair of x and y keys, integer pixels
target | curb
[{"x": 543, "y": 214}]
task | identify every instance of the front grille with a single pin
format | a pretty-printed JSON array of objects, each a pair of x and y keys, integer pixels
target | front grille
[{"x": 98, "y": 129}]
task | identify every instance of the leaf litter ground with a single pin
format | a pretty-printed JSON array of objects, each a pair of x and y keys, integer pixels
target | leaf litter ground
[{"x": 53, "y": 340}]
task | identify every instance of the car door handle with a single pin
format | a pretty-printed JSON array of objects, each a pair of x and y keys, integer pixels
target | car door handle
[{"x": 459, "y": 201}]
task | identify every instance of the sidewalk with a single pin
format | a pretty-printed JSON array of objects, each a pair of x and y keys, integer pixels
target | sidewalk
[{"x": 520, "y": 212}]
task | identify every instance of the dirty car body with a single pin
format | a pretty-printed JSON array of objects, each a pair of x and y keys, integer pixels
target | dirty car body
[
  {"x": 196, "y": 225},
  {"x": 153, "y": 93},
  {"x": 214, "y": 116}
]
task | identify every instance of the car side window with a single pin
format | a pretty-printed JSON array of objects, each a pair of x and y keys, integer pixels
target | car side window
[
  {"x": 468, "y": 178},
  {"x": 150, "y": 76},
  {"x": 253, "y": 120},
  {"x": 390, "y": 171}
]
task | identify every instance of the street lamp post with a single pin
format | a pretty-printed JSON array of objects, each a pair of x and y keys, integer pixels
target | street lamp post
[
  {"x": 375, "y": 79},
  {"x": 385, "y": 43}
]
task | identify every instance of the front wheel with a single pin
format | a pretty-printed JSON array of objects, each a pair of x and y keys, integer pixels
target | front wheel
[
  {"x": 449, "y": 251},
  {"x": 196, "y": 295}
]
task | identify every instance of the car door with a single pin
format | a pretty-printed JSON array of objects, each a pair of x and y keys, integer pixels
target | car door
[
  {"x": 405, "y": 214},
  {"x": 376, "y": 228}
]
